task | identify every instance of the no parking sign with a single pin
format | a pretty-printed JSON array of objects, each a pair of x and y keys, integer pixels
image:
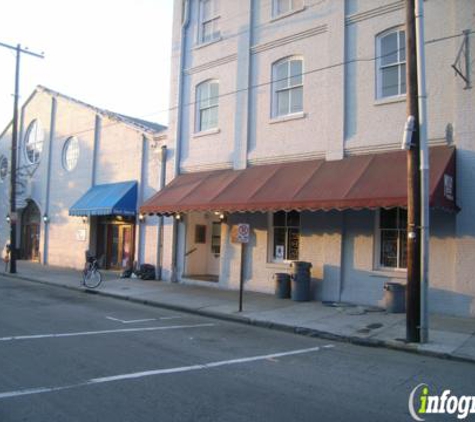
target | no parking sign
[{"x": 240, "y": 233}]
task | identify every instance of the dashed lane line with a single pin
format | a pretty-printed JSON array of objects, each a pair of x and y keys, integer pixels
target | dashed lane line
[
  {"x": 156, "y": 372},
  {"x": 93, "y": 333},
  {"x": 135, "y": 321}
]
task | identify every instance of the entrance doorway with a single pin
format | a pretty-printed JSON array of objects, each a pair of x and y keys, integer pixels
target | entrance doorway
[
  {"x": 30, "y": 232},
  {"x": 115, "y": 242},
  {"x": 203, "y": 247}
]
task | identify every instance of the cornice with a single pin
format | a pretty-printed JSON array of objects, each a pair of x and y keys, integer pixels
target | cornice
[
  {"x": 210, "y": 65},
  {"x": 373, "y": 13},
  {"x": 259, "y": 48}
]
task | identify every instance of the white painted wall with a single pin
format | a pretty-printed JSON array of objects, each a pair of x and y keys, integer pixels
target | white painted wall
[{"x": 341, "y": 117}]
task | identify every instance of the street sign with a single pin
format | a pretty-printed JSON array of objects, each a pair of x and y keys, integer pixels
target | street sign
[{"x": 240, "y": 233}]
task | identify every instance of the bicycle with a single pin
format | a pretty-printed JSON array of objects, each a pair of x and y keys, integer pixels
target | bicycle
[{"x": 92, "y": 277}]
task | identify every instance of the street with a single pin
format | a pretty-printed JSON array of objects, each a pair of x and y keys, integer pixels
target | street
[{"x": 75, "y": 356}]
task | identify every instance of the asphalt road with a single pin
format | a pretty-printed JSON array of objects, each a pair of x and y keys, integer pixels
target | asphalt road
[{"x": 73, "y": 356}]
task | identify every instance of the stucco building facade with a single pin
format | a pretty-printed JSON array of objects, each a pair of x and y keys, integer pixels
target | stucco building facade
[
  {"x": 66, "y": 151},
  {"x": 271, "y": 83}
]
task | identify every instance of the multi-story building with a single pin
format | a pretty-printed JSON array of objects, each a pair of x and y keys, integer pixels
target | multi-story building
[
  {"x": 288, "y": 115},
  {"x": 82, "y": 173}
]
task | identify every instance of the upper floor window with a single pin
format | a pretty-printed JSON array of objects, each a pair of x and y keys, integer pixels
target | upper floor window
[
  {"x": 287, "y": 82},
  {"x": 393, "y": 238},
  {"x": 208, "y": 21},
  {"x": 3, "y": 168},
  {"x": 283, "y": 7},
  {"x": 207, "y": 94},
  {"x": 34, "y": 140},
  {"x": 285, "y": 235},
  {"x": 70, "y": 153},
  {"x": 391, "y": 63}
]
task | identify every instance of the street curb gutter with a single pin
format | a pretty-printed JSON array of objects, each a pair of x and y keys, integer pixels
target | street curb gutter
[{"x": 309, "y": 332}]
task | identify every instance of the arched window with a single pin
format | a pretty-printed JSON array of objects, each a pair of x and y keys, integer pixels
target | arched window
[
  {"x": 287, "y": 86},
  {"x": 34, "y": 140},
  {"x": 391, "y": 63},
  {"x": 207, "y": 94},
  {"x": 70, "y": 153}
]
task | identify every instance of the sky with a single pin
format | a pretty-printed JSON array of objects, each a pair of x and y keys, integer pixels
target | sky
[{"x": 112, "y": 54}]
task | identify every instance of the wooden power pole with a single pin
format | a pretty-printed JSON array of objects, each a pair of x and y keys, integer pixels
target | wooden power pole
[
  {"x": 413, "y": 292},
  {"x": 13, "y": 161}
]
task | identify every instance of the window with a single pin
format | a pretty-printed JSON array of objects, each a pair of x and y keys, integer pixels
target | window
[
  {"x": 286, "y": 235},
  {"x": 207, "y": 94},
  {"x": 200, "y": 233},
  {"x": 393, "y": 238},
  {"x": 216, "y": 238},
  {"x": 391, "y": 63},
  {"x": 287, "y": 87},
  {"x": 283, "y": 7},
  {"x": 70, "y": 153},
  {"x": 34, "y": 142},
  {"x": 209, "y": 21},
  {"x": 3, "y": 167}
]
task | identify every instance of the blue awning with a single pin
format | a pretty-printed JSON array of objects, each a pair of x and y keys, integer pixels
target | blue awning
[{"x": 108, "y": 199}]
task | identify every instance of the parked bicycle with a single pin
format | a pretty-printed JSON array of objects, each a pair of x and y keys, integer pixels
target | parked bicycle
[{"x": 92, "y": 277}]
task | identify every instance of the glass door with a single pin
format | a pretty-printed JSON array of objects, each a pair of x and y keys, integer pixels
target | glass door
[{"x": 120, "y": 242}]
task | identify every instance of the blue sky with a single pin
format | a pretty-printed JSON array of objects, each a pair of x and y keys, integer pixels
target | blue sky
[{"x": 113, "y": 54}]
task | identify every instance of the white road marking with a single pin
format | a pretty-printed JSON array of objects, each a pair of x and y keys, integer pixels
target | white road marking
[
  {"x": 131, "y": 321},
  {"x": 134, "y": 321},
  {"x": 91, "y": 333},
  {"x": 135, "y": 375}
]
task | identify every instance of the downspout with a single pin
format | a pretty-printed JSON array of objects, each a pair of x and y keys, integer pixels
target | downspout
[
  {"x": 141, "y": 193},
  {"x": 161, "y": 185},
  {"x": 424, "y": 170},
  {"x": 46, "y": 224},
  {"x": 176, "y": 169}
]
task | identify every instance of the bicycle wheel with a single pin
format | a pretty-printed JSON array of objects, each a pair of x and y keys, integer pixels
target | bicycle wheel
[{"x": 92, "y": 278}]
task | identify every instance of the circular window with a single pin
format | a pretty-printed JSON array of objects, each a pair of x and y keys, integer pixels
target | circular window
[
  {"x": 70, "y": 153},
  {"x": 34, "y": 142},
  {"x": 3, "y": 167}
]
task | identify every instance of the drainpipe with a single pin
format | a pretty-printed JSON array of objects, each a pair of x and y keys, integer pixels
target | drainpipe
[
  {"x": 424, "y": 170},
  {"x": 141, "y": 194},
  {"x": 176, "y": 169},
  {"x": 161, "y": 185},
  {"x": 46, "y": 224}
]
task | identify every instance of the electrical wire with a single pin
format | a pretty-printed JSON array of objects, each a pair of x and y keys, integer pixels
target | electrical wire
[{"x": 266, "y": 83}]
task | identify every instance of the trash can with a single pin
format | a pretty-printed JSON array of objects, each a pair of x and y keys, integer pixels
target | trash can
[
  {"x": 395, "y": 297},
  {"x": 300, "y": 285},
  {"x": 282, "y": 285}
]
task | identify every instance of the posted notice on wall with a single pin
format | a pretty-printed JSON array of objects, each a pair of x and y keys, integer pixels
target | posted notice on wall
[{"x": 81, "y": 235}]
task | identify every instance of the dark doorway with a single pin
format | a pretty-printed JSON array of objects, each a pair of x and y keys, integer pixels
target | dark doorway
[
  {"x": 115, "y": 242},
  {"x": 30, "y": 232}
]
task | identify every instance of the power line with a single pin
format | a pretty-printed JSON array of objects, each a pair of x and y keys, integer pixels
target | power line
[{"x": 270, "y": 82}]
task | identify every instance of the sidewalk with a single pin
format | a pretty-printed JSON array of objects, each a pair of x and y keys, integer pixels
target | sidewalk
[{"x": 450, "y": 337}]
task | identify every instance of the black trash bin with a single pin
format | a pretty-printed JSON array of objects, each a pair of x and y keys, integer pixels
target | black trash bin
[
  {"x": 282, "y": 285},
  {"x": 395, "y": 297},
  {"x": 300, "y": 286}
]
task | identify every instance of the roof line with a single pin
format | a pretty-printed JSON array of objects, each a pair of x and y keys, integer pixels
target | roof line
[{"x": 141, "y": 125}]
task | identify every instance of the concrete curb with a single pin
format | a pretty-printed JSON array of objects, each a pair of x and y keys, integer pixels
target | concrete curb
[{"x": 309, "y": 332}]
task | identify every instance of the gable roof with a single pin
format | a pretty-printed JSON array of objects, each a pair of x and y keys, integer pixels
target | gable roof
[{"x": 145, "y": 126}]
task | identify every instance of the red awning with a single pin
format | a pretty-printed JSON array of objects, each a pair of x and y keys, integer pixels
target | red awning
[{"x": 357, "y": 182}]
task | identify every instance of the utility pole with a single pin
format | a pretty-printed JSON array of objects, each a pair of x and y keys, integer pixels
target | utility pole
[
  {"x": 13, "y": 163},
  {"x": 413, "y": 292}
]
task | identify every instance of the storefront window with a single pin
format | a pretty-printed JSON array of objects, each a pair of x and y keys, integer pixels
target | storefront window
[
  {"x": 393, "y": 238},
  {"x": 286, "y": 235}
]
